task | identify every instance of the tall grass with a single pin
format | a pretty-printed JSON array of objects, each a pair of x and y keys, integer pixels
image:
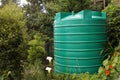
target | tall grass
[{"x": 34, "y": 71}]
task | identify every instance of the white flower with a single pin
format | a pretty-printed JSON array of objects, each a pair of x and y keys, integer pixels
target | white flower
[
  {"x": 49, "y": 58},
  {"x": 48, "y": 69}
]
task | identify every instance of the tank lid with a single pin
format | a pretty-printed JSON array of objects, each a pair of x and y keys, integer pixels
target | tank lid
[{"x": 84, "y": 14}]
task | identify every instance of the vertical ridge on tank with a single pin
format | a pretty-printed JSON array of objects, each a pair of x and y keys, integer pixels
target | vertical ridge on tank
[{"x": 78, "y": 40}]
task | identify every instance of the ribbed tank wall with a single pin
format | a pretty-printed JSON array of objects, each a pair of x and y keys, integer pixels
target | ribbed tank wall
[{"x": 78, "y": 40}]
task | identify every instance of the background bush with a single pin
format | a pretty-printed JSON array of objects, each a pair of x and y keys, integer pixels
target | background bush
[
  {"x": 36, "y": 49},
  {"x": 12, "y": 41},
  {"x": 113, "y": 23}
]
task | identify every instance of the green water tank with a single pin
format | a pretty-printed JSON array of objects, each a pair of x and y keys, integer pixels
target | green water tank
[{"x": 78, "y": 40}]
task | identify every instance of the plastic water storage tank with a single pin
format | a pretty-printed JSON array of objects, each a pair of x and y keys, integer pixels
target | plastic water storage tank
[{"x": 78, "y": 40}]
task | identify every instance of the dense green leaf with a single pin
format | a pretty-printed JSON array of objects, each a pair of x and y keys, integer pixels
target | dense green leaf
[{"x": 12, "y": 40}]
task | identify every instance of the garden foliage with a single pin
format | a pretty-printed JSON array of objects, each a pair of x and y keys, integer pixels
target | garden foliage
[
  {"x": 113, "y": 22},
  {"x": 36, "y": 49},
  {"x": 15, "y": 48},
  {"x": 12, "y": 41},
  {"x": 34, "y": 71}
]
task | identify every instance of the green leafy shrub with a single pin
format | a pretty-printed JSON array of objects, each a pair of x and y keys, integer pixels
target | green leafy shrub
[
  {"x": 113, "y": 21},
  {"x": 110, "y": 68},
  {"x": 36, "y": 49},
  {"x": 12, "y": 41}
]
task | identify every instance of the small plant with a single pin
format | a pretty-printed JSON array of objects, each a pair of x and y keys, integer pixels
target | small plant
[
  {"x": 34, "y": 71},
  {"x": 110, "y": 68},
  {"x": 36, "y": 49}
]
